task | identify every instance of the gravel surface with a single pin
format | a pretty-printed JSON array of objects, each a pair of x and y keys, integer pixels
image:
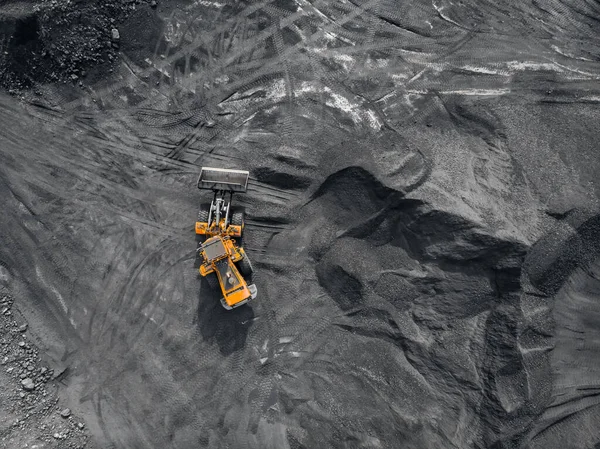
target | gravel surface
[{"x": 30, "y": 413}]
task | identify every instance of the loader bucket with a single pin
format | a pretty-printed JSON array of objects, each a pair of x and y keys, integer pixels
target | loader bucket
[{"x": 223, "y": 179}]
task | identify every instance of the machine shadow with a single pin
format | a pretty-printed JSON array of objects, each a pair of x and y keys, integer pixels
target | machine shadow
[{"x": 228, "y": 328}]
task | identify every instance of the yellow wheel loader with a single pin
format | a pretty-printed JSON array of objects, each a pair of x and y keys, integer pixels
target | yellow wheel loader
[{"x": 225, "y": 264}]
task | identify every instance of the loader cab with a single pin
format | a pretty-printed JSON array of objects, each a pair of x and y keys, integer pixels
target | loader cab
[
  {"x": 214, "y": 249},
  {"x": 219, "y": 256}
]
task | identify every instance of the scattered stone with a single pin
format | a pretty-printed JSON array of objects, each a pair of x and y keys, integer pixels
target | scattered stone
[
  {"x": 153, "y": 4},
  {"x": 23, "y": 328},
  {"x": 21, "y": 344},
  {"x": 80, "y": 425},
  {"x": 57, "y": 435},
  {"x": 21, "y": 395},
  {"x": 65, "y": 413},
  {"x": 5, "y": 360},
  {"x": 43, "y": 370},
  {"x": 27, "y": 384},
  {"x": 115, "y": 34}
]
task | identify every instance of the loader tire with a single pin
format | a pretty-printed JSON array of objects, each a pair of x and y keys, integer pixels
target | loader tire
[
  {"x": 212, "y": 281},
  {"x": 237, "y": 217},
  {"x": 202, "y": 218},
  {"x": 203, "y": 213},
  {"x": 245, "y": 266}
]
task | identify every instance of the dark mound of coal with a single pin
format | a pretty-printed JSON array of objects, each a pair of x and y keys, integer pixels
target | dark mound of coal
[
  {"x": 354, "y": 188},
  {"x": 280, "y": 179},
  {"x": 556, "y": 256},
  {"x": 387, "y": 257},
  {"x": 566, "y": 267},
  {"x": 59, "y": 41},
  {"x": 342, "y": 286}
]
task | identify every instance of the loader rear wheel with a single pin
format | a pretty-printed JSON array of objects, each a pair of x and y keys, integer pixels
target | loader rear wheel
[
  {"x": 212, "y": 281},
  {"x": 245, "y": 266}
]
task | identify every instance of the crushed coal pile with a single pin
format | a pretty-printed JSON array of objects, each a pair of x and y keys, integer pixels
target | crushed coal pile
[
  {"x": 60, "y": 41},
  {"x": 422, "y": 214}
]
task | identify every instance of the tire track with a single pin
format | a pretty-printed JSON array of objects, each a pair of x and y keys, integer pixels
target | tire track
[
  {"x": 71, "y": 106},
  {"x": 268, "y": 67},
  {"x": 287, "y": 128}
]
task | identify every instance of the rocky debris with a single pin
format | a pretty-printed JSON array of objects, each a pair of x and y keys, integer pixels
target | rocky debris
[
  {"x": 27, "y": 393},
  {"x": 59, "y": 40},
  {"x": 28, "y": 384},
  {"x": 115, "y": 38}
]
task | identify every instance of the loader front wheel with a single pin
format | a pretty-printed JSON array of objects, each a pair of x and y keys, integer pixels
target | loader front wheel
[
  {"x": 237, "y": 217},
  {"x": 203, "y": 213},
  {"x": 202, "y": 218}
]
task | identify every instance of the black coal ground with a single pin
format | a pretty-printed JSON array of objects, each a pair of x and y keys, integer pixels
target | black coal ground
[{"x": 422, "y": 214}]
